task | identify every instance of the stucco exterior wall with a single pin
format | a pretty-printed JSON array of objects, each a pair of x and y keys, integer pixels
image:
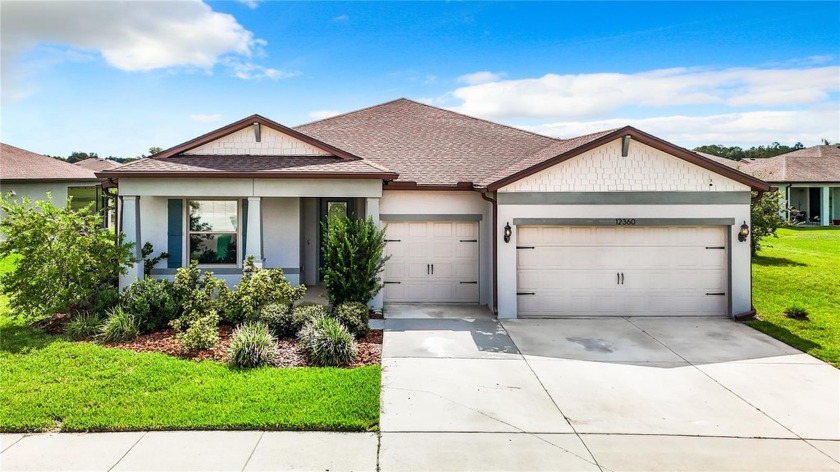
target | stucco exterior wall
[
  {"x": 281, "y": 235},
  {"x": 420, "y": 202},
  {"x": 238, "y": 188},
  {"x": 605, "y": 170},
  {"x": 244, "y": 142},
  {"x": 38, "y": 191}
]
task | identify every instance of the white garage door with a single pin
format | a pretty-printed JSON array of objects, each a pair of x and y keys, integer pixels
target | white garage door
[
  {"x": 432, "y": 261},
  {"x": 621, "y": 271}
]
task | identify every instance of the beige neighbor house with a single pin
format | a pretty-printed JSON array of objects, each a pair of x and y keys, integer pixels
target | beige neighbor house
[
  {"x": 809, "y": 180},
  {"x": 615, "y": 223},
  {"x": 25, "y": 174}
]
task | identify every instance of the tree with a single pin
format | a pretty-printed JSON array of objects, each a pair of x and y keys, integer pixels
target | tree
[
  {"x": 155, "y": 150},
  {"x": 765, "y": 216},
  {"x": 65, "y": 262},
  {"x": 756, "y": 152},
  {"x": 77, "y": 156},
  {"x": 354, "y": 255}
]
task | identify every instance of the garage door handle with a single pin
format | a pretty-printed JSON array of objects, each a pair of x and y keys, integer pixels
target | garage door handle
[
  {"x": 433, "y": 269},
  {"x": 392, "y": 240},
  {"x": 716, "y": 293},
  {"x": 525, "y": 293},
  {"x": 387, "y": 282},
  {"x": 617, "y": 278},
  {"x": 469, "y": 241},
  {"x": 715, "y": 247},
  {"x": 622, "y": 278},
  {"x": 524, "y": 247},
  {"x": 428, "y": 270},
  {"x": 473, "y": 282}
]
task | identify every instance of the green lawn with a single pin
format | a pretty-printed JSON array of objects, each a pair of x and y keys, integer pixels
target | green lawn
[
  {"x": 50, "y": 383},
  {"x": 801, "y": 267}
]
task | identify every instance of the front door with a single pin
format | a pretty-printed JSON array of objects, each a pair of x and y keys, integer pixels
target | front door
[{"x": 331, "y": 208}]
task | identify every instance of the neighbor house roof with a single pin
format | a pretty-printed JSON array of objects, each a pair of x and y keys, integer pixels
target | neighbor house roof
[
  {"x": 813, "y": 164},
  {"x": 97, "y": 165},
  {"x": 20, "y": 165}
]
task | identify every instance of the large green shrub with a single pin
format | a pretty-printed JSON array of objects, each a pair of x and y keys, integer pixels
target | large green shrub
[
  {"x": 66, "y": 262},
  {"x": 252, "y": 345},
  {"x": 354, "y": 316},
  {"x": 353, "y": 259},
  {"x": 257, "y": 288},
  {"x": 285, "y": 322},
  {"x": 327, "y": 342},
  {"x": 119, "y": 326},
  {"x": 765, "y": 216},
  {"x": 152, "y": 302},
  {"x": 198, "y": 294}
]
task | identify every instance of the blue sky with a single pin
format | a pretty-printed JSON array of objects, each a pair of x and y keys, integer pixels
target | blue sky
[{"x": 119, "y": 77}]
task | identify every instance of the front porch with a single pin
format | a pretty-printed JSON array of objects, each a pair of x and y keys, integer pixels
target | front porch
[
  {"x": 813, "y": 204},
  {"x": 221, "y": 230}
]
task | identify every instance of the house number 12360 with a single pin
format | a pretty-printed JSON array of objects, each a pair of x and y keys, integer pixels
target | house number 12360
[{"x": 625, "y": 221}]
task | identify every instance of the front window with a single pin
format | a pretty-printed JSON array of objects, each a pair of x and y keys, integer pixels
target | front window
[
  {"x": 82, "y": 197},
  {"x": 213, "y": 229}
]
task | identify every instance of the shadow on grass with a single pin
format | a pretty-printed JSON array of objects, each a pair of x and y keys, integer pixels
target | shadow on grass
[
  {"x": 16, "y": 339},
  {"x": 776, "y": 262},
  {"x": 784, "y": 335}
]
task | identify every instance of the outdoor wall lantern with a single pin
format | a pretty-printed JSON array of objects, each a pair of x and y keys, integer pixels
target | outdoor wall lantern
[
  {"x": 745, "y": 231},
  {"x": 508, "y": 232}
]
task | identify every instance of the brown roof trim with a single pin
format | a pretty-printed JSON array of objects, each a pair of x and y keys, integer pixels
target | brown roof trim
[
  {"x": 244, "y": 123},
  {"x": 644, "y": 138},
  {"x": 250, "y": 175},
  {"x": 404, "y": 185}
]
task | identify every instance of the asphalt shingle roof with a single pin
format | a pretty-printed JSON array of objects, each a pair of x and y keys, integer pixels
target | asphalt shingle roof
[
  {"x": 813, "y": 164},
  {"x": 97, "y": 165},
  {"x": 250, "y": 164},
  {"x": 20, "y": 165}
]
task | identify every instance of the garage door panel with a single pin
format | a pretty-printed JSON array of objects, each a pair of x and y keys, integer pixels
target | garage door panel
[
  {"x": 426, "y": 244},
  {"x": 666, "y": 271}
]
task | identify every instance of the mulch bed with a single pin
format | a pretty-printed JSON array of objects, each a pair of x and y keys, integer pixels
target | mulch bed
[{"x": 288, "y": 352}]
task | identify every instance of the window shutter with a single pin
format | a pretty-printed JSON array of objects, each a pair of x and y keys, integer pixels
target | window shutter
[
  {"x": 175, "y": 233},
  {"x": 244, "y": 228}
]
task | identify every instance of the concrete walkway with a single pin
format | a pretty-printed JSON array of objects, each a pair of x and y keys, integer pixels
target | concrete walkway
[{"x": 467, "y": 392}]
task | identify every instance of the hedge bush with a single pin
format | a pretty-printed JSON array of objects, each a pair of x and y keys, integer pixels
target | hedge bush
[
  {"x": 119, "y": 326},
  {"x": 354, "y": 316},
  {"x": 198, "y": 294},
  {"x": 83, "y": 326},
  {"x": 353, "y": 259},
  {"x": 327, "y": 342},
  {"x": 252, "y": 345},
  {"x": 152, "y": 302}
]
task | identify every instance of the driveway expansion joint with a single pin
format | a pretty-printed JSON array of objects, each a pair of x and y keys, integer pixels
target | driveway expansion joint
[{"x": 127, "y": 451}]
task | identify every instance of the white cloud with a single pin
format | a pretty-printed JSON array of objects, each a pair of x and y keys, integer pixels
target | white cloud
[
  {"x": 129, "y": 35},
  {"x": 247, "y": 70},
  {"x": 323, "y": 114},
  {"x": 210, "y": 118},
  {"x": 252, "y": 4},
  {"x": 341, "y": 18},
  {"x": 589, "y": 95},
  {"x": 480, "y": 77},
  {"x": 742, "y": 129}
]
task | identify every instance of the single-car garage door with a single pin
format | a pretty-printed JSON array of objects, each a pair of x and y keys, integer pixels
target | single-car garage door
[
  {"x": 432, "y": 261},
  {"x": 621, "y": 271}
]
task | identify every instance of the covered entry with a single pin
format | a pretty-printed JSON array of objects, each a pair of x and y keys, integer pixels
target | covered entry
[{"x": 622, "y": 270}]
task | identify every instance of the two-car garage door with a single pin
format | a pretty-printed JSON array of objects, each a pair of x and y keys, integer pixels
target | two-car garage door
[
  {"x": 432, "y": 261},
  {"x": 621, "y": 271}
]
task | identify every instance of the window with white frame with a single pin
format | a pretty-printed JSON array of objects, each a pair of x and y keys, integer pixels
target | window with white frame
[{"x": 213, "y": 231}]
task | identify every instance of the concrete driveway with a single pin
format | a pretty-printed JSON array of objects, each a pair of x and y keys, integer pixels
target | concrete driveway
[{"x": 472, "y": 393}]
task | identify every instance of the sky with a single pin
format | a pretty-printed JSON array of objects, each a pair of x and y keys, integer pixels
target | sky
[{"x": 118, "y": 77}]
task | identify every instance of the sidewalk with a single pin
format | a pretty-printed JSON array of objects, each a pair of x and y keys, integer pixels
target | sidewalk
[{"x": 189, "y": 451}]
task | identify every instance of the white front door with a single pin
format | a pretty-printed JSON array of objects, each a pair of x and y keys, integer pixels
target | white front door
[
  {"x": 432, "y": 261},
  {"x": 621, "y": 271}
]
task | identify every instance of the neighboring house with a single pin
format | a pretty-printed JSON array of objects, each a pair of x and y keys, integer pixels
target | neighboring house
[
  {"x": 809, "y": 180},
  {"x": 96, "y": 164},
  {"x": 609, "y": 224},
  {"x": 25, "y": 174}
]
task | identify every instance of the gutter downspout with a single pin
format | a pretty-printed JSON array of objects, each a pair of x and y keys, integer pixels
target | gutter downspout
[{"x": 484, "y": 193}]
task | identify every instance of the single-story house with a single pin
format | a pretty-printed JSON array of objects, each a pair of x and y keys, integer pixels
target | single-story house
[
  {"x": 96, "y": 164},
  {"x": 25, "y": 174},
  {"x": 809, "y": 180},
  {"x": 614, "y": 223}
]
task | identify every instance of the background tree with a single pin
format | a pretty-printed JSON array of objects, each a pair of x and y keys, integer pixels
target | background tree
[
  {"x": 77, "y": 156},
  {"x": 756, "y": 152},
  {"x": 154, "y": 150},
  {"x": 766, "y": 218}
]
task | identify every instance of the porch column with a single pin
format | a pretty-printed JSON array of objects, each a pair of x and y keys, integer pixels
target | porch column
[
  {"x": 825, "y": 213},
  {"x": 253, "y": 240},
  {"x": 131, "y": 231},
  {"x": 372, "y": 208}
]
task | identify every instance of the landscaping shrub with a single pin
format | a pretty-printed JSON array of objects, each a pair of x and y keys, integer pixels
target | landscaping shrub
[
  {"x": 152, "y": 302},
  {"x": 252, "y": 345},
  {"x": 354, "y": 316},
  {"x": 108, "y": 298},
  {"x": 353, "y": 259},
  {"x": 119, "y": 326},
  {"x": 65, "y": 260},
  {"x": 257, "y": 288},
  {"x": 82, "y": 326},
  {"x": 327, "y": 342},
  {"x": 765, "y": 218},
  {"x": 198, "y": 294},
  {"x": 149, "y": 263},
  {"x": 797, "y": 312}
]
